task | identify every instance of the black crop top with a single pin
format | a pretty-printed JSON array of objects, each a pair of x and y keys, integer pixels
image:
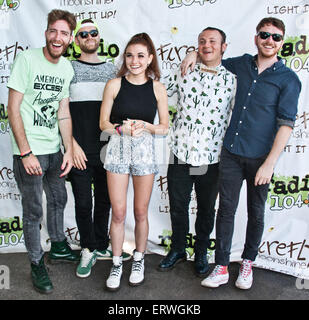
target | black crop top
[{"x": 134, "y": 102}]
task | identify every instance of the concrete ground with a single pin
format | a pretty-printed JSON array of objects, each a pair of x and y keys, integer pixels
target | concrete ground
[{"x": 178, "y": 284}]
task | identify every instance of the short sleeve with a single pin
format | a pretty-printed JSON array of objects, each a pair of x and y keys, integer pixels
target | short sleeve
[
  {"x": 70, "y": 75},
  {"x": 171, "y": 82},
  {"x": 19, "y": 74}
]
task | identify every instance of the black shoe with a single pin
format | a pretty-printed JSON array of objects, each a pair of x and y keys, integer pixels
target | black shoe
[
  {"x": 40, "y": 279},
  {"x": 201, "y": 264},
  {"x": 171, "y": 260},
  {"x": 62, "y": 252}
]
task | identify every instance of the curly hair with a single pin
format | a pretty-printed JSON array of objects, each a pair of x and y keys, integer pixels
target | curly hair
[{"x": 58, "y": 14}]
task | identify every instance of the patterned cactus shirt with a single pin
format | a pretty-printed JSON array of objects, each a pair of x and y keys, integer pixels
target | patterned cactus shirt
[{"x": 202, "y": 112}]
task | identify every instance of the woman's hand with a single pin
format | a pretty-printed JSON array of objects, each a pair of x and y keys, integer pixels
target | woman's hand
[{"x": 138, "y": 127}]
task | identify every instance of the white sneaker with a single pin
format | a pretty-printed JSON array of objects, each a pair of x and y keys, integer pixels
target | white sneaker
[
  {"x": 218, "y": 276},
  {"x": 113, "y": 281},
  {"x": 87, "y": 261},
  {"x": 138, "y": 268},
  {"x": 245, "y": 276}
]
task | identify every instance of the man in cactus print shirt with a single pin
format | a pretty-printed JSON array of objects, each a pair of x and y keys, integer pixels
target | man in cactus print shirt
[{"x": 205, "y": 99}]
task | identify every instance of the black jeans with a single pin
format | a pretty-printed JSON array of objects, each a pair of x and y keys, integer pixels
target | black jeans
[
  {"x": 181, "y": 177},
  {"x": 233, "y": 170},
  {"x": 93, "y": 228}
]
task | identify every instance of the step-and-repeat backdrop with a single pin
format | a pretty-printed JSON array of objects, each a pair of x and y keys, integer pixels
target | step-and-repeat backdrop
[{"x": 174, "y": 26}]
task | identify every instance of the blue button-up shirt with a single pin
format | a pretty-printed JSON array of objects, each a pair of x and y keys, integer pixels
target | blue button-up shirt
[{"x": 263, "y": 102}]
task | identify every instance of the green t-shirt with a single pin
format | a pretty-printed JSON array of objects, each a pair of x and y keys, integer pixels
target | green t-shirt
[{"x": 44, "y": 85}]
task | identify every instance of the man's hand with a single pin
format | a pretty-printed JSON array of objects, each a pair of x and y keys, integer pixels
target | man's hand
[
  {"x": 188, "y": 62},
  {"x": 264, "y": 174},
  {"x": 79, "y": 157},
  {"x": 32, "y": 165},
  {"x": 266, "y": 170},
  {"x": 67, "y": 164}
]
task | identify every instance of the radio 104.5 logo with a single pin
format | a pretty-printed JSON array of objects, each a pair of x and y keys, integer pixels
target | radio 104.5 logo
[{"x": 6, "y": 5}]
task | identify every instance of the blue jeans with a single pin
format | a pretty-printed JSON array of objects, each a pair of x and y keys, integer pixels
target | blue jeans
[
  {"x": 31, "y": 188},
  {"x": 181, "y": 177},
  {"x": 233, "y": 170}
]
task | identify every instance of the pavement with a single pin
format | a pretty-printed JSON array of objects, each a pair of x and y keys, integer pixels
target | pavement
[{"x": 179, "y": 284}]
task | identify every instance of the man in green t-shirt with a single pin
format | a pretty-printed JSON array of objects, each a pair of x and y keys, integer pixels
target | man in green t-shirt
[{"x": 38, "y": 111}]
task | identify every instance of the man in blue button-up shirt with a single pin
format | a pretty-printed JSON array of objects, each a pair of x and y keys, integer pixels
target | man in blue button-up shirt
[{"x": 262, "y": 121}]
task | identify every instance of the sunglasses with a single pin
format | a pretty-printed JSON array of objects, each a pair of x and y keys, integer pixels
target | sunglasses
[
  {"x": 265, "y": 35},
  {"x": 84, "y": 34}
]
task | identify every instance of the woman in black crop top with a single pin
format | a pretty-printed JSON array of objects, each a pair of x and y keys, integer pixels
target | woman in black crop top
[{"x": 128, "y": 109}]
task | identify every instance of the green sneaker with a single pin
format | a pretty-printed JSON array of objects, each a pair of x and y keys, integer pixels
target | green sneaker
[
  {"x": 62, "y": 252},
  {"x": 40, "y": 278},
  {"x": 108, "y": 255},
  {"x": 126, "y": 256},
  {"x": 87, "y": 261}
]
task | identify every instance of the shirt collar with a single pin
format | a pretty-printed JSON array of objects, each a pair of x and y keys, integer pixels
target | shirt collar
[
  {"x": 274, "y": 67},
  {"x": 203, "y": 68}
]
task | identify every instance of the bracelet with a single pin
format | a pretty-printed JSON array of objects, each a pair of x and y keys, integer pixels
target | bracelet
[
  {"x": 25, "y": 155},
  {"x": 118, "y": 129}
]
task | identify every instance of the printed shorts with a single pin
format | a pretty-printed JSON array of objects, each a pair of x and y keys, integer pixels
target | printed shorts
[{"x": 131, "y": 155}]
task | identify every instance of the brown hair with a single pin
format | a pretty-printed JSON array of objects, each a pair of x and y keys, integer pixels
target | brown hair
[
  {"x": 273, "y": 21},
  {"x": 153, "y": 70},
  {"x": 57, "y": 14}
]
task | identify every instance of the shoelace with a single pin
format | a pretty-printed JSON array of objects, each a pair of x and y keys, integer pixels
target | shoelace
[
  {"x": 86, "y": 257},
  {"x": 137, "y": 265},
  {"x": 245, "y": 268},
  {"x": 115, "y": 270},
  {"x": 42, "y": 272},
  {"x": 217, "y": 270}
]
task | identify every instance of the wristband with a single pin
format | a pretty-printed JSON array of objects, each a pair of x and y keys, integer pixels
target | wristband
[
  {"x": 118, "y": 129},
  {"x": 25, "y": 155}
]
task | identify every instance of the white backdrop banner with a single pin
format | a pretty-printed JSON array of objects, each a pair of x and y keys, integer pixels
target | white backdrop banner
[{"x": 174, "y": 25}]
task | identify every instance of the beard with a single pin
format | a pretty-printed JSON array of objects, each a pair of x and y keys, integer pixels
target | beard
[
  {"x": 56, "y": 54},
  {"x": 263, "y": 52},
  {"x": 89, "y": 47}
]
